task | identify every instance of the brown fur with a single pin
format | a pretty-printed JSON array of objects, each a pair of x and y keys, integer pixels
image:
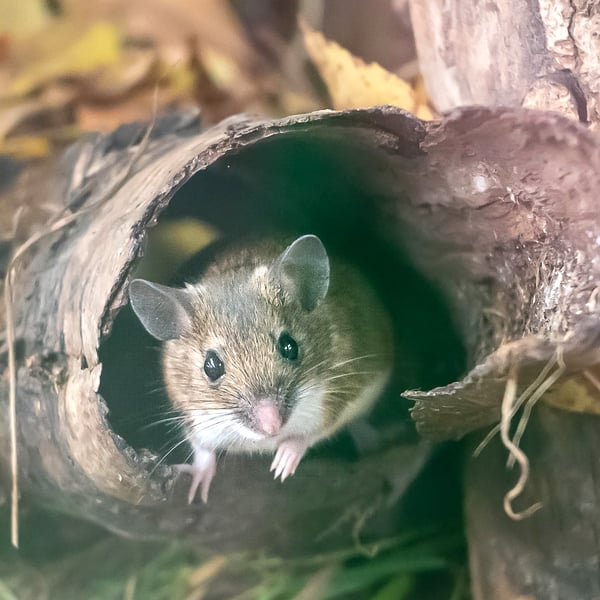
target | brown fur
[{"x": 241, "y": 315}]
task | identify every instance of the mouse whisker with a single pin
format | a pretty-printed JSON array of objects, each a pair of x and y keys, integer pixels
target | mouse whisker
[
  {"x": 198, "y": 416},
  {"x": 213, "y": 422},
  {"x": 237, "y": 399},
  {"x": 220, "y": 406},
  {"x": 157, "y": 389},
  {"x": 179, "y": 420},
  {"x": 164, "y": 456},
  {"x": 136, "y": 421},
  {"x": 351, "y": 360},
  {"x": 341, "y": 363},
  {"x": 342, "y": 392},
  {"x": 342, "y": 375},
  {"x": 229, "y": 437},
  {"x": 189, "y": 457},
  {"x": 319, "y": 364}
]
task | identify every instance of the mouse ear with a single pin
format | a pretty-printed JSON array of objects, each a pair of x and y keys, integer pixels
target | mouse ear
[
  {"x": 164, "y": 312},
  {"x": 303, "y": 271}
]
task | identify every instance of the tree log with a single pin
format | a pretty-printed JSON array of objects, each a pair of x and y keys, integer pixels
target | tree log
[{"x": 477, "y": 203}]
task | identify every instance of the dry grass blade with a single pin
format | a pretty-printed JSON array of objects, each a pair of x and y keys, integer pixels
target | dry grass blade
[
  {"x": 130, "y": 585},
  {"x": 317, "y": 585},
  {"x": 12, "y": 410}
]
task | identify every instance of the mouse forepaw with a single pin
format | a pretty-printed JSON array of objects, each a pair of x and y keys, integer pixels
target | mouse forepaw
[
  {"x": 288, "y": 457},
  {"x": 203, "y": 470}
]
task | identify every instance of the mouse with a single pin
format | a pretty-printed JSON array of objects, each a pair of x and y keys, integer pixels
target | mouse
[{"x": 275, "y": 347}]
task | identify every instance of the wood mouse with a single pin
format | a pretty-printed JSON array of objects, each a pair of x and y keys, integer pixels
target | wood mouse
[{"x": 274, "y": 348}]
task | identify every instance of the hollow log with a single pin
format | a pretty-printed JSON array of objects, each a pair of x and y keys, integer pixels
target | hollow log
[{"x": 493, "y": 208}]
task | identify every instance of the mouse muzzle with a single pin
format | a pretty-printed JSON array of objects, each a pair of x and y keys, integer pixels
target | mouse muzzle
[{"x": 267, "y": 417}]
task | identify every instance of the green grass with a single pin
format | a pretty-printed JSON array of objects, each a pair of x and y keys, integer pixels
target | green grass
[{"x": 57, "y": 562}]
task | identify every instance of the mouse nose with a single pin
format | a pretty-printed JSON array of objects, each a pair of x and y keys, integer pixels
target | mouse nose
[{"x": 268, "y": 419}]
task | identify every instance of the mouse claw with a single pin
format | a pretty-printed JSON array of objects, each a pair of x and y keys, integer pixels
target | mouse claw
[
  {"x": 287, "y": 458},
  {"x": 202, "y": 470}
]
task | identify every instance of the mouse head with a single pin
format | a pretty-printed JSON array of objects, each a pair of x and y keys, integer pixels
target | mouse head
[{"x": 246, "y": 343}]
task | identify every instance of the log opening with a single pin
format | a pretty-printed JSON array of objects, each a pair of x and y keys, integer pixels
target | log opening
[{"x": 295, "y": 185}]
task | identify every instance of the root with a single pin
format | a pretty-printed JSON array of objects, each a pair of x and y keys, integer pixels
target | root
[
  {"x": 538, "y": 381},
  {"x": 540, "y": 391},
  {"x": 508, "y": 403},
  {"x": 510, "y": 406}
]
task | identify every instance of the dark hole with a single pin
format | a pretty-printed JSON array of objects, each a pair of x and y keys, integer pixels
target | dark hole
[{"x": 299, "y": 186}]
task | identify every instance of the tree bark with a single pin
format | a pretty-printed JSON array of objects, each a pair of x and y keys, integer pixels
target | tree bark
[
  {"x": 544, "y": 55},
  {"x": 554, "y": 553},
  {"x": 513, "y": 53}
]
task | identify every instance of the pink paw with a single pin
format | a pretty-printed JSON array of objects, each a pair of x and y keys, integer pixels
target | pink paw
[
  {"x": 202, "y": 470},
  {"x": 288, "y": 457}
]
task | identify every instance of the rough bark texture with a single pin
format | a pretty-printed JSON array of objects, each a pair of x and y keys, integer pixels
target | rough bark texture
[
  {"x": 516, "y": 53},
  {"x": 553, "y": 554},
  {"x": 545, "y": 55}
]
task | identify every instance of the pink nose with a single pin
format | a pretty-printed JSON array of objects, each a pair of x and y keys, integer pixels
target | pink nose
[{"x": 267, "y": 417}]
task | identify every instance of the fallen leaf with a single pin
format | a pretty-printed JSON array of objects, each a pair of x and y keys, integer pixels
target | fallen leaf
[
  {"x": 578, "y": 393},
  {"x": 26, "y": 146},
  {"x": 19, "y": 17},
  {"x": 135, "y": 68},
  {"x": 30, "y": 128},
  {"x": 172, "y": 22},
  {"x": 352, "y": 83},
  {"x": 4, "y": 47},
  {"x": 423, "y": 111},
  {"x": 97, "y": 47},
  {"x": 170, "y": 244}
]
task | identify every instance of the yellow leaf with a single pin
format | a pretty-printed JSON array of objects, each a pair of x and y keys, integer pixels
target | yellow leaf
[
  {"x": 99, "y": 46},
  {"x": 170, "y": 244},
  {"x": 422, "y": 111},
  {"x": 579, "y": 393},
  {"x": 352, "y": 83},
  {"x": 19, "y": 17},
  {"x": 26, "y": 146}
]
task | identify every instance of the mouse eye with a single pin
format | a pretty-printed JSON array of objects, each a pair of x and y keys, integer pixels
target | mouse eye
[
  {"x": 213, "y": 366},
  {"x": 287, "y": 346}
]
